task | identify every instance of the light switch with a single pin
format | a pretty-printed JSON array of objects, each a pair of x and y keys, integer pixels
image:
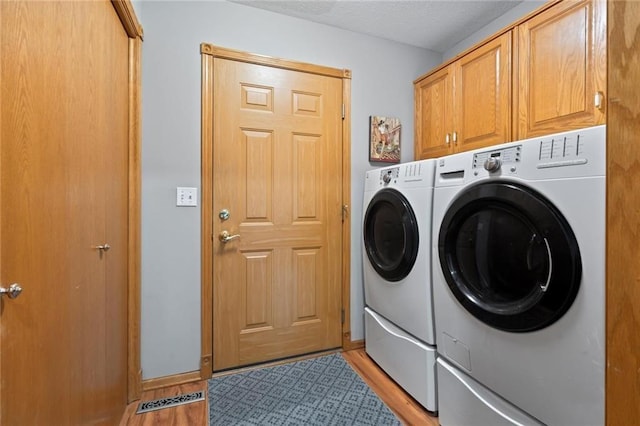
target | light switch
[{"x": 187, "y": 197}]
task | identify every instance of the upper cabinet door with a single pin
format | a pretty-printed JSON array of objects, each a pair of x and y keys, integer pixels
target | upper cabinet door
[
  {"x": 482, "y": 96},
  {"x": 433, "y": 116},
  {"x": 562, "y": 68}
]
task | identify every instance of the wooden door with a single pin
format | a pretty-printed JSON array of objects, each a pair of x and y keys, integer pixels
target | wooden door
[
  {"x": 562, "y": 68},
  {"x": 434, "y": 114},
  {"x": 64, "y": 136},
  {"x": 277, "y": 167},
  {"x": 482, "y": 103}
]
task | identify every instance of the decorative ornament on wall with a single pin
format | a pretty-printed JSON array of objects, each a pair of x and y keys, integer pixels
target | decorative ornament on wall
[{"x": 384, "y": 139}]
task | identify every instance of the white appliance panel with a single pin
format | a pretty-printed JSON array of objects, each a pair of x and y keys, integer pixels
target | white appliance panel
[
  {"x": 465, "y": 402},
  {"x": 407, "y": 360},
  {"x": 406, "y": 303},
  {"x": 556, "y": 374}
]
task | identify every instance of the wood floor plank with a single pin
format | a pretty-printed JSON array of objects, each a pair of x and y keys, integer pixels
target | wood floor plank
[{"x": 408, "y": 410}]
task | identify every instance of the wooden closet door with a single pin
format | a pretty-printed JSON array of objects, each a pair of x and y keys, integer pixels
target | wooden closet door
[
  {"x": 562, "y": 68},
  {"x": 64, "y": 136}
]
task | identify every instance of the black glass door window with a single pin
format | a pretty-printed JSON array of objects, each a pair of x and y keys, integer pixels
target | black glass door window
[
  {"x": 509, "y": 256},
  {"x": 391, "y": 235}
]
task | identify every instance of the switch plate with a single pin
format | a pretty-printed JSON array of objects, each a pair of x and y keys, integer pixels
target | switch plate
[{"x": 187, "y": 197}]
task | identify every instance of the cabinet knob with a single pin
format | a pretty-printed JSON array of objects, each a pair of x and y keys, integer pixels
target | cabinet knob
[{"x": 446, "y": 139}]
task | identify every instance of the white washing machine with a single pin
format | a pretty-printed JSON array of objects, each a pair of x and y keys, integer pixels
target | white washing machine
[
  {"x": 399, "y": 332},
  {"x": 519, "y": 281}
]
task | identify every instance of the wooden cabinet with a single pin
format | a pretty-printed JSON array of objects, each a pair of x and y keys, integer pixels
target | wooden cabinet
[
  {"x": 562, "y": 68},
  {"x": 482, "y": 96},
  {"x": 433, "y": 114},
  {"x": 553, "y": 79},
  {"x": 467, "y": 104}
]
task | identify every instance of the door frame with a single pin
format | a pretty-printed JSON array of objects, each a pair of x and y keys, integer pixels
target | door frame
[
  {"x": 207, "y": 53},
  {"x": 132, "y": 27}
]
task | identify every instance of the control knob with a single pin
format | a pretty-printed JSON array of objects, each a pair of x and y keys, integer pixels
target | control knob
[
  {"x": 492, "y": 164},
  {"x": 386, "y": 178}
]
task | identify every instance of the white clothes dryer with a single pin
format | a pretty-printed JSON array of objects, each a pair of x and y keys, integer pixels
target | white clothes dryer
[
  {"x": 399, "y": 332},
  {"x": 519, "y": 278}
]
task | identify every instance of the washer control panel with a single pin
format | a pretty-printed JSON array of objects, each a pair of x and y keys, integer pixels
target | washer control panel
[
  {"x": 561, "y": 151},
  {"x": 495, "y": 159},
  {"x": 574, "y": 153}
]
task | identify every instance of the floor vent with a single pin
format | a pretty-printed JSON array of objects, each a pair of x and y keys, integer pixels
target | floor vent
[{"x": 159, "y": 404}]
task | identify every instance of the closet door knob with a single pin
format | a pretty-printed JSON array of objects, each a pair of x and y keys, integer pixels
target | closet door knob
[
  {"x": 12, "y": 292},
  {"x": 104, "y": 247}
]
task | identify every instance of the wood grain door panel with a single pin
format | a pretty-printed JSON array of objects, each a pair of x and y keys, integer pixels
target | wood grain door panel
[
  {"x": 482, "y": 103},
  {"x": 277, "y": 169},
  {"x": 562, "y": 65},
  {"x": 433, "y": 114},
  {"x": 64, "y": 139}
]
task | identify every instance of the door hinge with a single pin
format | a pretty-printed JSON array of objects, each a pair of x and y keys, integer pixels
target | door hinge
[
  {"x": 343, "y": 111},
  {"x": 342, "y": 316}
]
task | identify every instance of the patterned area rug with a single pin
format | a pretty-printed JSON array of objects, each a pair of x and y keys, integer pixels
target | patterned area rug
[{"x": 317, "y": 391}]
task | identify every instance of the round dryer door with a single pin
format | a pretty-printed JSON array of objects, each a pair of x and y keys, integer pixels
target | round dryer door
[
  {"x": 391, "y": 235},
  {"x": 509, "y": 256}
]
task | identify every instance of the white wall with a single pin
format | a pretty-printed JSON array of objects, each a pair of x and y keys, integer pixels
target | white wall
[
  {"x": 382, "y": 84},
  {"x": 137, "y": 7},
  {"x": 501, "y": 22}
]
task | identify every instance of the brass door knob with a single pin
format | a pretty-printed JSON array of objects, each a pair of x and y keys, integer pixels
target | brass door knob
[{"x": 225, "y": 237}]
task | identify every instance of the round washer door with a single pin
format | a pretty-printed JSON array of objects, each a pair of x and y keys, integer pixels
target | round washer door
[
  {"x": 509, "y": 256},
  {"x": 391, "y": 235}
]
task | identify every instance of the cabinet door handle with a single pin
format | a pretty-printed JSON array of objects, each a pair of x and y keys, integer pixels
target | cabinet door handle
[
  {"x": 455, "y": 137},
  {"x": 598, "y": 100},
  {"x": 446, "y": 139}
]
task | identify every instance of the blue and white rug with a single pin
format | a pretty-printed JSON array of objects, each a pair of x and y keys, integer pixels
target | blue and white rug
[{"x": 317, "y": 391}]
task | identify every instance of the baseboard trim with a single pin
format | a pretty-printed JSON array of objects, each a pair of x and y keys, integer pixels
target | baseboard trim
[
  {"x": 194, "y": 376},
  {"x": 174, "y": 380},
  {"x": 351, "y": 345}
]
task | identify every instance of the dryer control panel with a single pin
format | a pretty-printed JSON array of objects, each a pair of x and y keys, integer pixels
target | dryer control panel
[
  {"x": 389, "y": 174},
  {"x": 406, "y": 175}
]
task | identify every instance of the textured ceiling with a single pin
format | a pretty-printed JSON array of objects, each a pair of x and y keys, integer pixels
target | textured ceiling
[{"x": 431, "y": 24}]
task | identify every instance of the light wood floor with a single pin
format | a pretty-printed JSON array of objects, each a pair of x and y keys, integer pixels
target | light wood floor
[{"x": 405, "y": 408}]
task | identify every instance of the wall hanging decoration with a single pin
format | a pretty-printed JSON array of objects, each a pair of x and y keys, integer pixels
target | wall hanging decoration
[{"x": 384, "y": 139}]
